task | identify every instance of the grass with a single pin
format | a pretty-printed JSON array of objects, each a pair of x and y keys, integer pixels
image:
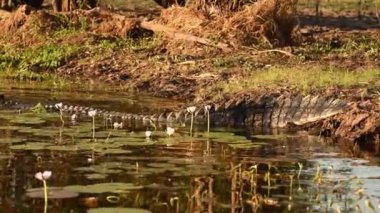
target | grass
[
  {"x": 304, "y": 78},
  {"x": 340, "y": 5},
  {"x": 363, "y": 46},
  {"x": 131, "y": 4},
  {"x": 35, "y": 62}
]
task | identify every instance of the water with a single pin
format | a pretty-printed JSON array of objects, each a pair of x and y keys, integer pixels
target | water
[{"x": 228, "y": 170}]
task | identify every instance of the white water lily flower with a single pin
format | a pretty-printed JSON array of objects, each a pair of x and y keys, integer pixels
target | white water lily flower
[
  {"x": 191, "y": 109},
  {"x": 170, "y": 131},
  {"x": 74, "y": 117},
  {"x": 92, "y": 113},
  {"x": 43, "y": 176},
  {"x": 207, "y": 108},
  {"x": 148, "y": 134},
  {"x": 59, "y": 105},
  {"x": 117, "y": 125}
]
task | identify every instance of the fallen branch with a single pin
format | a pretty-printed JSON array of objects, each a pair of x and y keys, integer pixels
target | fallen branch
[
  {"x": 159, "y": 28},
  {"x": 182, "y": 36}
]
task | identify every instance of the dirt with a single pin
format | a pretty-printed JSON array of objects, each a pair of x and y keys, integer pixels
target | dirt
[{"x": 185, "y": 68}]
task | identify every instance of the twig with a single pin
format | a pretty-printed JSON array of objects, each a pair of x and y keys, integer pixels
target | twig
[
  {"x": 274, "y": 50},
  {"x": 257, "y": 52}
]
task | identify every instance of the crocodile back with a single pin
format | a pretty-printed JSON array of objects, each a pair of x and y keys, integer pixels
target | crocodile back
[{"x": 278, "y": 112}]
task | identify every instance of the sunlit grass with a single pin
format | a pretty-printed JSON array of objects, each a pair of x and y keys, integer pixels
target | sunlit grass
[{"x": 304, "y": 78}]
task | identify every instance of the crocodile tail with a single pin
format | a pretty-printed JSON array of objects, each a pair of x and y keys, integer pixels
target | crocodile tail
[{"x": 300, "y": 110}]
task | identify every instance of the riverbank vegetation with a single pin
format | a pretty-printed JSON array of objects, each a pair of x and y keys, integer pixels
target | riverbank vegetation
[{"x": 243, "y": 48}]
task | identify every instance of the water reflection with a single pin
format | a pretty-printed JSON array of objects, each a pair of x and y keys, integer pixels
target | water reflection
[{"x": 224, "y": 171}]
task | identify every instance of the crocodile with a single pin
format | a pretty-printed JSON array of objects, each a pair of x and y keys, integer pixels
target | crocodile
[{"x": 267, "y": 111}]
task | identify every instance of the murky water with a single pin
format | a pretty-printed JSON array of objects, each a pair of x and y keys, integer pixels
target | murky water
[{"x": 227, "y": 170}]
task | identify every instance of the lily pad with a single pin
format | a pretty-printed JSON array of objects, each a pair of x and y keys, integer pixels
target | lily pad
[
  {"x": 117, "y": 210},
  {"x": 53, "y": 193},
  {"x": 113, "y": 151},
  {"x": 111, "y": 133},
  {"x": 11, "y": 140},
  {"x": 96, "y": 176},
  {"x": 26, "y": 129},
  {"x": 106, "y": 168},
  {"x": 103, "y": 188},
  {"x": 244, "y": 145},
  {"x": 31, "y": 146},
  {"x": 27, "y": 120},
  {"x": 85, "y": 145},
  {"x": 63, "y": 148},
  {"x": 45, "y": 132},
  {"x": 138, "y": 143},
  {"x": 11, "y": 128}
]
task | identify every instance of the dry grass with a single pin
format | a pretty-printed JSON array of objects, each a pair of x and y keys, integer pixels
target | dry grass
[
  {"x": 268, "y": 22},
  {"x": 269, "y": 19},
  {"x": 220, "y": 6}
]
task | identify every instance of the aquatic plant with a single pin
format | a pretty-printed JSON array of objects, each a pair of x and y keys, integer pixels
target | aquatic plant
[
  {"x": 176, "y": 200},
  {"x": 207, "y": 110},
  {"x": 318, "y": 176},
  {"x": 300, "y": 166},
  {"x": 59, "y": 107},
  {"x": 74, "y": 118},
  {"x": 170, "y": 131},
  {"x": 92, "y": 114},
  {"x": 113, "y": 199},
  {"x": 191, "y": 110},
  {"x": 148, "y": 134},
  {"x": 117, "y": 125},
  {"x": 43, "y": 176}
]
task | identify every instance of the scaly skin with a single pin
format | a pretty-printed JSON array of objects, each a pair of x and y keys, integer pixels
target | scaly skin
[{"x": 267, "y": 112}]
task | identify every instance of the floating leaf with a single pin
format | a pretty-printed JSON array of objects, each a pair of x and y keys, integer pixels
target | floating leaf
[
  {"x": 103, "y": 188},
  {"x": 113, "y": 151},
  {"x": 11, "y": 140},
  {"x": 53, "y": 193},
  {"x": 63, "y": 148},
  {"x": 31, "y": 146},
  {"x": 12, "y": 128},
  {"x": 27, "y": 120},
  {"x": 45, "y": 132},
  {"x": 249, "y": 145},
  {"x": 96, "y": 176},
  {"x": 117, "y": 210}
]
